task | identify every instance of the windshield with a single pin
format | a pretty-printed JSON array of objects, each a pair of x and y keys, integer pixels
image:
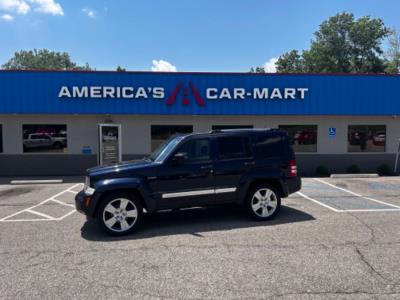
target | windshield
[{"x": 165, "y": 149}]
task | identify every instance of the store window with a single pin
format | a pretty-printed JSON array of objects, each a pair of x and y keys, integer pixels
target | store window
[
  {"x": 1, "y": 138},
  {"x": 303, "y": 137},
  {"x": 221, "y": 127},
  {"x": 366, "y": 138},
  {"x": 161, "y": 133},
  {"x": 44, "y": 138}
]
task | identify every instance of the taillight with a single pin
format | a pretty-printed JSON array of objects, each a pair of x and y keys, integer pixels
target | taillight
[{"x": 293, "y": 168}]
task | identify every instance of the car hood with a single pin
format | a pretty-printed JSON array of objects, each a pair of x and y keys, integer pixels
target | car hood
[{"x": 123, "y": 167}]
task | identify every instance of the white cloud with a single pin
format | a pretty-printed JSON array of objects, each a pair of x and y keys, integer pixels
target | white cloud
[
  {"x": 270, "y": 65},
  {"x": 89, "y": 12},
  {"x": 16, "y": 6},
  {"x": 7, "y": 17},
  {"x": 22, "y": 7},
  {"x": 48, "y": 7},
  {"x": 162, "y": 66}
]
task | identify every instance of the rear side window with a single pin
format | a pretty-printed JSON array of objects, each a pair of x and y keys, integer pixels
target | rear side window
[
  {"x": 266, "y": 146},
  {"x": 231, "y": 147}
]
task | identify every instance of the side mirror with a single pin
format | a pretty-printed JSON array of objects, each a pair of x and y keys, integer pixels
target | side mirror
[{"x": 178, "y": 158}]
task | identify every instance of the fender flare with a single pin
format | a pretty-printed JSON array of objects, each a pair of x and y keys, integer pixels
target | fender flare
[
  {"x": 260, "y": 178},
  {"x": 117, "y": 184}
]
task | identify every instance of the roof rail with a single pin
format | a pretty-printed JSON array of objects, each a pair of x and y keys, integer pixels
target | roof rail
[{"x": 215, "y": 131}]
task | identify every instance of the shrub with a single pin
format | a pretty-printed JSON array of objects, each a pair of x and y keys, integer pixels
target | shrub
[
  {"x": 353, "y": 169},
  {"x": 322, "y": 171},
  {"x": 384, "y": 170}
]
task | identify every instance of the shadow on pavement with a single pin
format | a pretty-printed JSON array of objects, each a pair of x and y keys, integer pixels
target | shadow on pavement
[{"x": 195, "y": 221}]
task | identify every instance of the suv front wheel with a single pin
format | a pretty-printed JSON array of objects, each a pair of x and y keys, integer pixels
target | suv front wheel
[
  {"x": 263, "y": 202},
  {"x": 120, "y": 214}
]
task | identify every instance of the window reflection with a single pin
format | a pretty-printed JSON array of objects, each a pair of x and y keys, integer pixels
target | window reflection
[
  {"x": 161, "y": 133},
  {"x": 366, "y": 138},
  {"x": 303, "y": 137},
  {"x": 44, "y": 138}
]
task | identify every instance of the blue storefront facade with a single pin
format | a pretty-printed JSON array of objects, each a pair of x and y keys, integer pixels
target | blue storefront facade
[{"x": 333, "y": 119}]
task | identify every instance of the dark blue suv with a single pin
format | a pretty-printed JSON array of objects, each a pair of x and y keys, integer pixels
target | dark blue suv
[{"x": 251, "y": 167}]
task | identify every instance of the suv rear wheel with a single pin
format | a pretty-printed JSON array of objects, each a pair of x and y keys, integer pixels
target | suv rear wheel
[
  {"x": 120, "y": 214},
  {"x": 263, "y": 202}
]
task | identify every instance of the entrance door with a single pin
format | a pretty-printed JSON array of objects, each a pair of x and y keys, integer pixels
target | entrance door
[{"x": 110, "y": 151}]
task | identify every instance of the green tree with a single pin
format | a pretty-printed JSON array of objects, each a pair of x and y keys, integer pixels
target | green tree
[
  {"x": 342, "y": 44},
  {"x": 42, "y": 59},
  {"x": 290, "y": 62},
  {"x": 393, "y": 53},
  {"x": 120, "y": 69},
  {"x": 257, "y": 70}
]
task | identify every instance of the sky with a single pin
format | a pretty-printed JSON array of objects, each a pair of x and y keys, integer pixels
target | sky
[{"x": 174, "y": 35}]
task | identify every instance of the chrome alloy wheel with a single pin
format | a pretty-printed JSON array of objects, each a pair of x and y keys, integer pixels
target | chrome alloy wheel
[
  {"x": 120, "y": 215},
  {"x": 264, "y": 202}
]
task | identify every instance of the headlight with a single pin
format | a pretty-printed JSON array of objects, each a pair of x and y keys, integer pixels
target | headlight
[{"x": 87, "y": 189}]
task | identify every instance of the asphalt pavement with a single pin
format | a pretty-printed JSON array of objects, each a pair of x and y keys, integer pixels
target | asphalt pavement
[{"x": 338, "y": 239}]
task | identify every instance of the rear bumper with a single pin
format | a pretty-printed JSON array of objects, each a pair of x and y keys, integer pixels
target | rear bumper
[{"x": 293, "y": 185}]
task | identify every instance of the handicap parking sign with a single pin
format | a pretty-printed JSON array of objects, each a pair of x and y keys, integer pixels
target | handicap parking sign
[{"x": 332, "y": 131}]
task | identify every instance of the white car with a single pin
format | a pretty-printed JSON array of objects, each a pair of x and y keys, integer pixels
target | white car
[{"x": 44, "y": 140}]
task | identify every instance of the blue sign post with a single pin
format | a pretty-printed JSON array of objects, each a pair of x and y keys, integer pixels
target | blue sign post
[{"x": 332, "y": 132}]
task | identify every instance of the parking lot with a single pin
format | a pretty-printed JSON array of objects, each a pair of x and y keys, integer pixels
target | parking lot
[{"x": 337, "y": 238}]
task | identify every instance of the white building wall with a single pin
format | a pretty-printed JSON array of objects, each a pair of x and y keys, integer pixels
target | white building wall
[{"x": 136, "y": 134}]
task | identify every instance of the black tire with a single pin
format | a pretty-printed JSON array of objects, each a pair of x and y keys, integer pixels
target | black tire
[
  {"x": 121, "y": 216},
  {"x": 272, "y": 205}
]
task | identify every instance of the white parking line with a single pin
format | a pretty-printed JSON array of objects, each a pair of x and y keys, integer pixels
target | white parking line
[
  {"x": 40, "y": 214},
  {"x": 355, "y": 194},
  {"x": 62, "y": 203},
  {"x": 316, "y": 201},
  {"x": 66, "y": 215},
  {"x": 27, "y": 220},
  {"x": 396, "y": 209},
  {"x": 46, "y": 217},
  {"x": 73, "y": 192}
]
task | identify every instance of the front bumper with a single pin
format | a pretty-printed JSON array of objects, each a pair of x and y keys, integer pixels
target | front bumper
[{"x": 81, "y": 201}]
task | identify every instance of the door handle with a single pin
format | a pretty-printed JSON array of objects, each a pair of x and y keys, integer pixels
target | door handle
[{"x": 249, "y": 163}]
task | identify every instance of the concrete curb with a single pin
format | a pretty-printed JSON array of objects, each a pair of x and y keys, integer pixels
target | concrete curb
[
  {"x": 44, "y": 181},
  {"x": 354, "y": 175}
]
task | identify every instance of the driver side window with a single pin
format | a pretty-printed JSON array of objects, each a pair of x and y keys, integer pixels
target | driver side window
[{"x": 196, "y": 150}]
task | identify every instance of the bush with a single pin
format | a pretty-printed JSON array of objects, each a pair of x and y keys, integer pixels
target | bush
[
  {"x": 353, "y": 169},
  {"x": 322, "y": 171},
  {"x": 384, "y": 170}
]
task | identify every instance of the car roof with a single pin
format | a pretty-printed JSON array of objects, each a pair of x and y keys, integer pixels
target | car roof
[{"x": 240, "y": 131}]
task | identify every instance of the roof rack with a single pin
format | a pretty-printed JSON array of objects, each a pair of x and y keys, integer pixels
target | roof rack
[
  {"x": 242, "y": 129},
  {"x": 215, "y": 131}
]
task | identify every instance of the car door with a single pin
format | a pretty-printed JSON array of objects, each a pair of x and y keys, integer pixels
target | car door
[
  {"x": 233, "y": 159},
  {"x": 190, "y": 182},
  {"x": 41, "y": 140},
  {"x": 46, "y": 141},
  {"x": 34, "y": 141}
]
